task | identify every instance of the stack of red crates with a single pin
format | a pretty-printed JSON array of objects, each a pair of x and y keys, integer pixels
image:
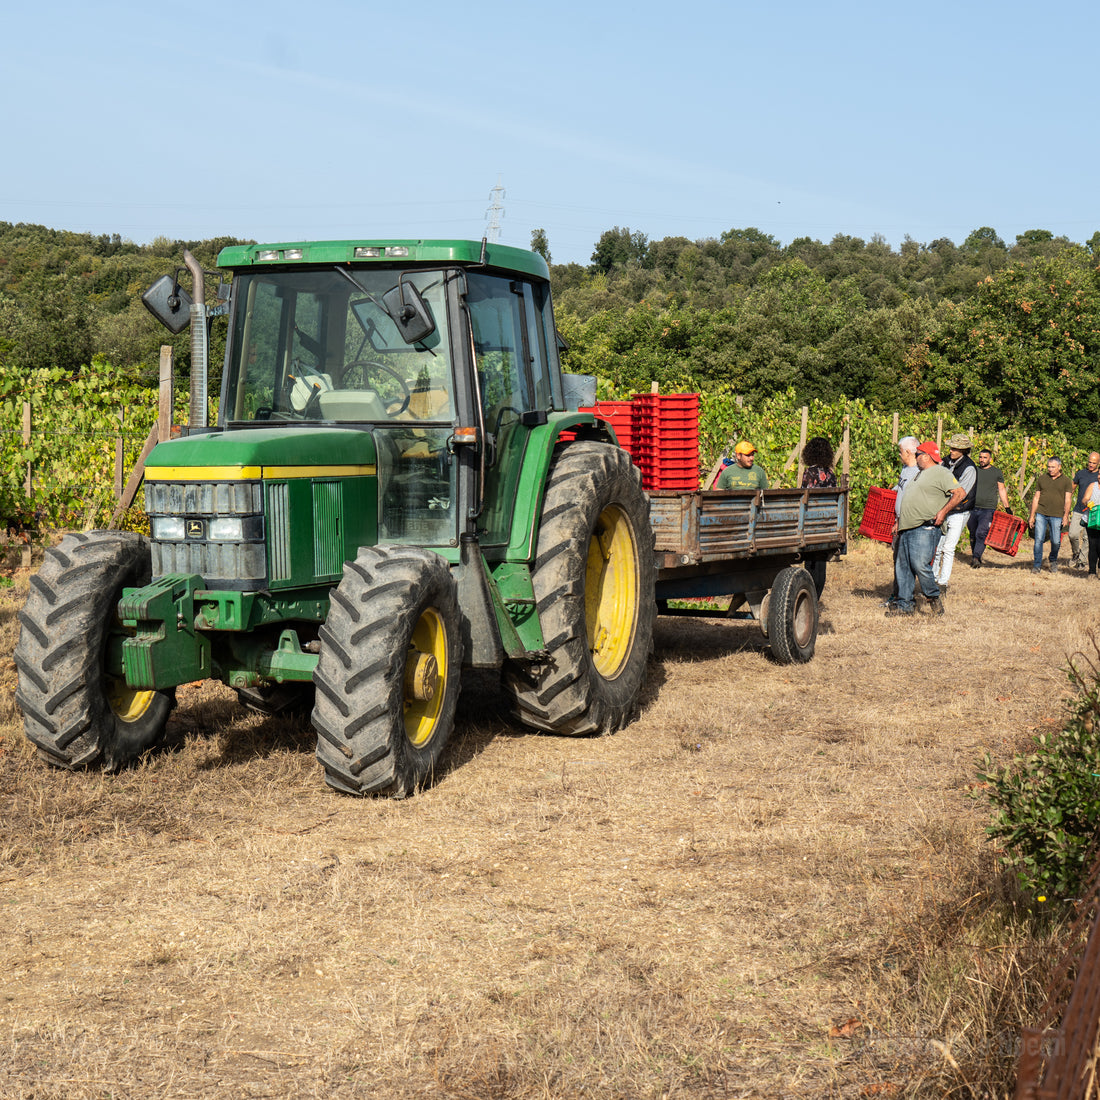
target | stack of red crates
[
  {"x": 878, "y": 515},
  {"x": 1005, "y": 532},
  {"x": 665, "y": 442},
  {"x": 620, "y": 415}
]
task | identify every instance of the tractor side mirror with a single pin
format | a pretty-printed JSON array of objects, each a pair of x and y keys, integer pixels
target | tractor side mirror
[
  {"x": 405, "y": 304},
  {"x": 169, "y": 303}
]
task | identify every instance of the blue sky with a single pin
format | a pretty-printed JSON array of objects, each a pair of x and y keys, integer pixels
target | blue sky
[{"x": 333, "y": 119}]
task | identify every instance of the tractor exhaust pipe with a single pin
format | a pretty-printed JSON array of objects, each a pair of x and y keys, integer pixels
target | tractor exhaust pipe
[{"x": 200, "y": 336}]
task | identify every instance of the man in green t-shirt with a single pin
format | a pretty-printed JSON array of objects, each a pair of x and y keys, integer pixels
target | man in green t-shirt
[
  {"x": 1050, "y": 507},
  {"x": 927, "y": 501},
  {"x": 743, "y": 473}
]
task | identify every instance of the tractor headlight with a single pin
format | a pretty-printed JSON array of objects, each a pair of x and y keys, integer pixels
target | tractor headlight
[
  {"x": 167, "y": 528},
  {"x": 226, "y": 529}
]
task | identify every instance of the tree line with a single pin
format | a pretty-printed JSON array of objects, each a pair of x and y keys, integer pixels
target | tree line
[
  {"x": 996, "y": 334},
  {"x": 68, "y": 298}
]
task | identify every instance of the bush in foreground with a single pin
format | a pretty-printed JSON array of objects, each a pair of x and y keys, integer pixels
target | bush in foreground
[{"x": 1046, "y": 802}]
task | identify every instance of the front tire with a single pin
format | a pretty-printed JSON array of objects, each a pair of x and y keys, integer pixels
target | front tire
[
  {"x": 388, "y": 676},
  {"x": 76, "y": 711},
  {"x": 593, "y": 579}
]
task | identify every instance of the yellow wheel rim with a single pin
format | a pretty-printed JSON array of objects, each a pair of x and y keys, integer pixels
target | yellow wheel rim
[
  {"x": 611, "y": 592},
  {"x": 425, "y": 677},
  {"x": 127, "y": 704}
]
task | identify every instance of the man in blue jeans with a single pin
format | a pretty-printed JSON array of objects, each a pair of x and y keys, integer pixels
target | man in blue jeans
[
  {"x": 925, "y": 504},
  {"x": 1050, "y": 507}
]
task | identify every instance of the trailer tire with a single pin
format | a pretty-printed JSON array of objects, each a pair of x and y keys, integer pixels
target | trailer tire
[
  {"x": 792, "y": 617},
  {"x": 387, "y": 678},
  {"x": 74, "y": 711},
  {"x": 593, "y": 579}
]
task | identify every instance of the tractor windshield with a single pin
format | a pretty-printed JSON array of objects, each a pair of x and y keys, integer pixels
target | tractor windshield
[{"x": 325, "y": 346}]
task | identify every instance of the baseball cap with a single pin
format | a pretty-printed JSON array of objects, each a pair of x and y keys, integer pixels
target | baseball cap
[
  {"x": 744, "y": 448},
  {"x": 929, "y": 448}
]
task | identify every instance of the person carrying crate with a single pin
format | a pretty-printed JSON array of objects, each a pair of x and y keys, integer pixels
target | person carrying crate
[
  {"x": 962, "y": 467},
  {"x": 989, "y": 488}
]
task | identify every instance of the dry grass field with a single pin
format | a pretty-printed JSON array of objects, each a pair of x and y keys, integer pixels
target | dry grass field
[{"x": 773, "y": 884}]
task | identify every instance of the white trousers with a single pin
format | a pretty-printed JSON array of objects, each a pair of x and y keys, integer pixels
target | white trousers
[{"x": 953, "y": 528}]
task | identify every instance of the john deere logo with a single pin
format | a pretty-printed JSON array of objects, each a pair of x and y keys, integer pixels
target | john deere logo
[{"x": 196, "y": 529}]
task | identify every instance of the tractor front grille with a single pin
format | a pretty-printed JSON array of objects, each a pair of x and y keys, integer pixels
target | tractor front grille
[{"x": 223, "y": 562}]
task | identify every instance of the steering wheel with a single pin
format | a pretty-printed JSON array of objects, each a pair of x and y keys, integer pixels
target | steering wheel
[{"x": 369, "y": 365}]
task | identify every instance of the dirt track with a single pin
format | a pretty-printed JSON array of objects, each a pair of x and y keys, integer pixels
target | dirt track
[{"x": 745, "y": 893}]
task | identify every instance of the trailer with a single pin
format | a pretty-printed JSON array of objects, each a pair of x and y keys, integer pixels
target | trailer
[{"x": 767, "y": 550}]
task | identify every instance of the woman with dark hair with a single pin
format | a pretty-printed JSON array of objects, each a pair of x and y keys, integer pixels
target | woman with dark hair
[{"x": 817, "y": 457}]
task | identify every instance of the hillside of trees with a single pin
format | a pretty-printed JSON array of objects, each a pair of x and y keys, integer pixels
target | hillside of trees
[
  {"x": 68, "y": 298},
  {"x": 1001, "y": 335}
]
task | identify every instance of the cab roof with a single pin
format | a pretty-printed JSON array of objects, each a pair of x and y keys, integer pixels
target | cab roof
[{"x": 362, "y": 253}]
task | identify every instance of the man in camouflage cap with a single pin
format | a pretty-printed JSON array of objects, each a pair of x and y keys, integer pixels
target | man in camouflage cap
[{"x": 962, "y": 467}]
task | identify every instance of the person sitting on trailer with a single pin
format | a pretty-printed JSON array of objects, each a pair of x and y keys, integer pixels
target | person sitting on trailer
[
  {"x": 817, "y": 457},
  {"x": 743, "y": 473}
]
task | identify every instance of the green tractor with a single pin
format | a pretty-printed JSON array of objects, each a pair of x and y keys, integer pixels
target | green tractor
[{"x": 398, "y": 487}]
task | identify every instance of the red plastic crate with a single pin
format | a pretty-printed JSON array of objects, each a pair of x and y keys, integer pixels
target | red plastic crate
[
  {"x": 1005, "y": 532},
  {"x": 683, "y": 482},
  {"x": 689, "y": 453},
  {"x": 620, "y": 415},
  {"x": 878, "y": 515},
  {"x": 673, "y": 403},
  {"x": 658, "y": 438}
]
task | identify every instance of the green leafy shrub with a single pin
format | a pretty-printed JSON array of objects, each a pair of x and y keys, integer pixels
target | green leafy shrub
[{"x": 1046, "y": 802}]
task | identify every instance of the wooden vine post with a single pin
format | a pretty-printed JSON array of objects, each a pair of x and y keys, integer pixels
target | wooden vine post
[
  {"x": 162, "y": 430},
  {"x": 27, "y": 481}
]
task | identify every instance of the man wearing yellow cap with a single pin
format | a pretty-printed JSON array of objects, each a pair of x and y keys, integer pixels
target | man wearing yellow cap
[{"x": 743, "y": 473}]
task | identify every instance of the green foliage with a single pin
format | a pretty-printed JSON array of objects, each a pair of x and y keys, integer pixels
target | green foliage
[
  {"x": 75, "y": 425},
  {"x": 979, "y": 332},
  {"x": 540, "y": 243},
  {"x": 618, "y": 248},
  {"x": 774, "y": 426},
  {"x": 1046, "y": 802},
  {"x": 65, "y": 297},
  {"x": 1023, "y": 350}
]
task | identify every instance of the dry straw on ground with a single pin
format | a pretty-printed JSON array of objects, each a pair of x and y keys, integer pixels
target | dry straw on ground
[{"x": 774, "y": 883}]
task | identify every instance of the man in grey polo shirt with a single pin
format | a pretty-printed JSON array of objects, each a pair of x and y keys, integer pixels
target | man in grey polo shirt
[{"x": 907, "y": 451}]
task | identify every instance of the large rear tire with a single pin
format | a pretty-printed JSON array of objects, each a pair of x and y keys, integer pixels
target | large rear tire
[
  {"x": 594, "y": 580},
  {"x": 74, "y": 710},
  {"x": 792, "y": 617},
  {"x": 388, "y": 676}
]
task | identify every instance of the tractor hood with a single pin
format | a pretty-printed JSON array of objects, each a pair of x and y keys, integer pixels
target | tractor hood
[{"x": 265, "y": 453}]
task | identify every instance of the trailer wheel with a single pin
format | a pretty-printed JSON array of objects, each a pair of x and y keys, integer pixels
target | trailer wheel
[
  {"x": 388, "y": 675},
  {"x": 593, "y": 579},
  {"x": 792, "y": 617},
  {"x": 75, "y": 710}
]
